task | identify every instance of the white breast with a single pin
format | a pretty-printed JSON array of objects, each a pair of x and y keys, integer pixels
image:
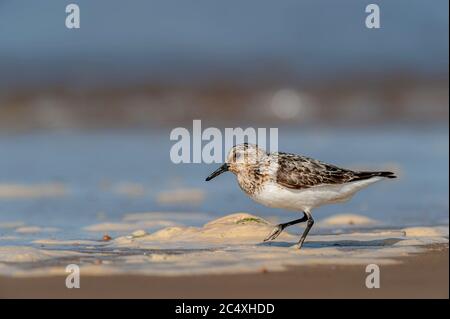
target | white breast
[{"x": 275, "y": 195}]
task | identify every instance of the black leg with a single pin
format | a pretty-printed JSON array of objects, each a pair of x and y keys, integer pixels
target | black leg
[
  {"x": 279, "y": 228},
  {"x": 309, "y": 225}
]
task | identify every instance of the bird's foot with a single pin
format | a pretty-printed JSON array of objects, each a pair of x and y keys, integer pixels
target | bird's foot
[
  {"x": 275, "y": 233},
  {"x": 298, "y": 245}
]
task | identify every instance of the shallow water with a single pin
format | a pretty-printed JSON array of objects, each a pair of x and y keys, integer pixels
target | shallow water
[
  {"x": 79, "y": 186},
  {"x": 106, "y": 175},
  {"x": 60, "y": 193}
]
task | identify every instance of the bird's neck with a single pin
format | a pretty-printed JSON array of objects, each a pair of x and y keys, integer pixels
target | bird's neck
[{"x": 251, "y": 179}]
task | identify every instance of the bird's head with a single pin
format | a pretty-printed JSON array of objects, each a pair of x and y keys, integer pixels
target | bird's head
[{"x": 240, "y": 158}]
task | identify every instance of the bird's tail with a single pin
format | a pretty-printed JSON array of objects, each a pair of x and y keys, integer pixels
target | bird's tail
[{"x": 367, "y": 175}]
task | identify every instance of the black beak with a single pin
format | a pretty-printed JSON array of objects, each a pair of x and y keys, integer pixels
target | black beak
[{"x": 217, "y": 172}]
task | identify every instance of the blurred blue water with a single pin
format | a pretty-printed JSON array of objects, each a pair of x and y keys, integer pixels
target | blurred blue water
[
  {"x": 139, "y": 40},
  {"x": 83, "y": 161}
]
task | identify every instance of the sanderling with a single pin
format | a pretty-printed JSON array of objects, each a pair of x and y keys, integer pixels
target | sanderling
[{"x": 293, "y": 182}]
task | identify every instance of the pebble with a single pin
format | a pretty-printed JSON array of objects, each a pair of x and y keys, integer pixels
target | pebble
[{"x": 139, "y": 233}]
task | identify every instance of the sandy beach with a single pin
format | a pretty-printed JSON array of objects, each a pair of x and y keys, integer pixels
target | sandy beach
[
  {"x": 226, "y": 258},
  {"x": 115, "y": 118},
  {"x": 423, "y": 275}
]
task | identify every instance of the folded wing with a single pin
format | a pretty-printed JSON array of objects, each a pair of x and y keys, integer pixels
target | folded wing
[{"x": 298, "y": 172}]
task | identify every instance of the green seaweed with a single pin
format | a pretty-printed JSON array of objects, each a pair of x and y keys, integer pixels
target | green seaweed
[{"x": 250, "y": 219}]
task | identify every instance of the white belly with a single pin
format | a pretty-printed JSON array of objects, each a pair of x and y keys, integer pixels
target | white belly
[{"x": 277, "y": 196}]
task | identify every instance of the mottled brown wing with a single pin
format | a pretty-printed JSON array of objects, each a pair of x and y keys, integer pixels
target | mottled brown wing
[{"x": 299, "y": 172}]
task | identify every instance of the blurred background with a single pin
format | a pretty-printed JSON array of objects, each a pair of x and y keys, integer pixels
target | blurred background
[
  {"x": 154, "y": 63},
  {"x": 85, "y": 114}
]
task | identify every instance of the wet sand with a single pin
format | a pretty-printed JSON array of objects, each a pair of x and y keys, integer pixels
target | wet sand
[{"x": 424, "y": 275}]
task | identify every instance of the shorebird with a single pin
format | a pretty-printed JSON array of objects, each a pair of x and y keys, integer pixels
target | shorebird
[{"x": 293, "y": 182}]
